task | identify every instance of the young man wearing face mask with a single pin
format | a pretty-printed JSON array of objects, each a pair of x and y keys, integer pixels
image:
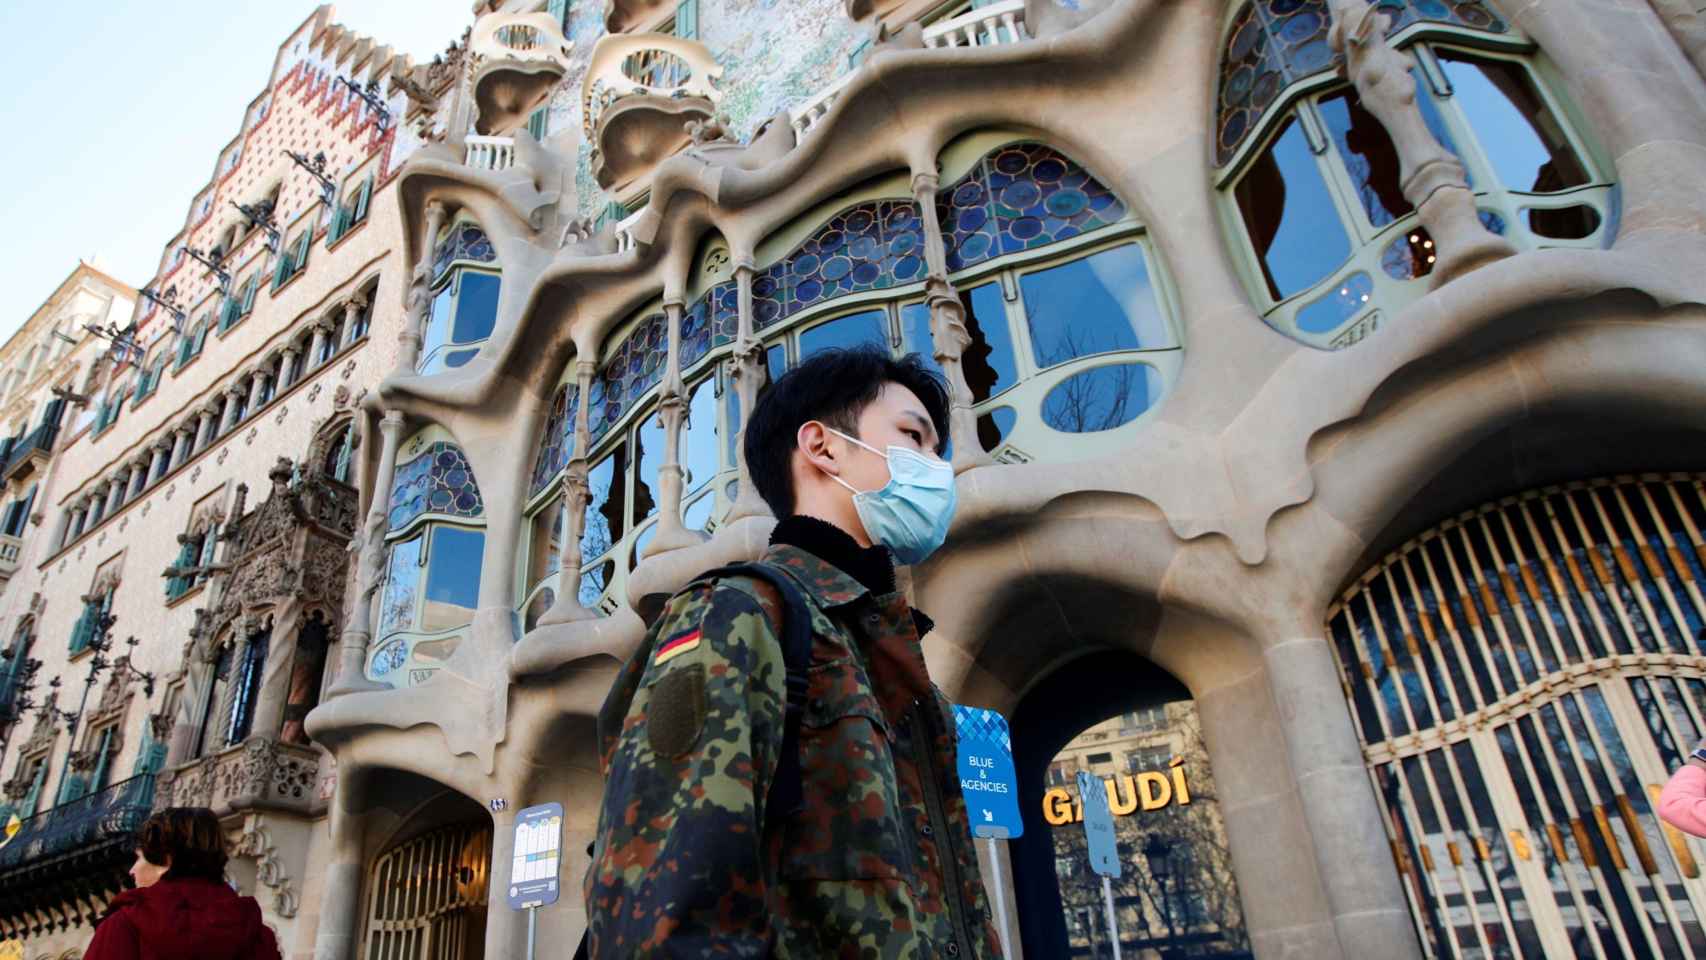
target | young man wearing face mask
[{"x": 729, "y": 828}]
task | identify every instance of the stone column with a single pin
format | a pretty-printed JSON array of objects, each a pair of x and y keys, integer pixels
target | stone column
[
  {"x": 1369, "y": 911},
  {"x": 369, "y": 543},
  {"x": 207, "y": 427},
  {"x": 234, "y": 394},
  {"x": 576, "y": 495},
  {"x": 948, "y": 335},
  {"x": 182, "y": 438},
  {"x": 417, "y": 302},
  {"x": 672, "y": 408},
  {"x": 286, "y": 361},
  {"x": 342, "y": 902},
  {"x": 316, "y": 345},
  {"x": 435, "y": 214},
  {"x": 1432, "y": 179},
  {"x": 257, "y": 390},
  {"x": 115, "y": 491},
  {"x": 750, "y": 374},
  {"x": 352, "y": 310},
  {"x": 166, "y": 448},
  {"x": 141, "y": 467}
]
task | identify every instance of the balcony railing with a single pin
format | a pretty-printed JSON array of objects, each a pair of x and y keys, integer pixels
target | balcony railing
[
  {"x": 490, "y": 153},
  {"x": 106, "y": 818},
  {"x": 998, "y": 23},
  {"x": 38, "y": 443}
]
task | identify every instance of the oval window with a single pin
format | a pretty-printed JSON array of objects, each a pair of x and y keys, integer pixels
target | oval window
[{"x": 1101, "y": 398}]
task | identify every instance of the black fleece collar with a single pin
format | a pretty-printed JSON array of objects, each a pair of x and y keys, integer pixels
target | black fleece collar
[{"x": 872, "y": 567}]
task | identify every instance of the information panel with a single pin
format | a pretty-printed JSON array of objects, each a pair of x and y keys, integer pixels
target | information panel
[{"x": 538, "y": 856}]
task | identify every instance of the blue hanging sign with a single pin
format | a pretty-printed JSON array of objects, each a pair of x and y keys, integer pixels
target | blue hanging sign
[
  {"x": 1098, "y": 825},
  {"x": 986, "y": 773}
]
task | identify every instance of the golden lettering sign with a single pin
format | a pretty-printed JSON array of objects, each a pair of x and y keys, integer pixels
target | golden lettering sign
[{"x": 1149, "y": 790}]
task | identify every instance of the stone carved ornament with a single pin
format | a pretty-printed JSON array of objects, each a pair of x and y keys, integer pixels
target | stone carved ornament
[{"x": 256, "y": 844}]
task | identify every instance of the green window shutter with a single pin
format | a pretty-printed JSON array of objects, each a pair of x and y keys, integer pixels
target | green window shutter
[
  {"x": 362, "y": 199},
  {"x": 687, "y": 19},
  {"x": 301, "y": 263},
  {"x": 536, "y": 124},
  {"x": 151, "y": 757},
  {"x": 248, "y": 298},
  {"x": 82, "y": 632},
  {"x": 281, "y": 270},
  {"x": 73, "y": 788},
  {"x": 103, "y": 763},
  {"x": 33, "y": 797},
  {"x": 559, "y": 11},
  {"x": 336, "y": 230}
]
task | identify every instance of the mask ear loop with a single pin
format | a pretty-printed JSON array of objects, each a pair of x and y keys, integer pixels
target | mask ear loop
[{"x": 853, "y": 440}]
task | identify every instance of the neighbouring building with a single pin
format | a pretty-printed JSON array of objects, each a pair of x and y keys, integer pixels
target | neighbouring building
[
  {"x": 180, "y": 497},
  {"x": 1328, "y": 395}
]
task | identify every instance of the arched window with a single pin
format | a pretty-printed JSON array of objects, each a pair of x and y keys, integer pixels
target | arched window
[
  {"x": 339, "y": 453},
  {"x": 465, "y": 298},
  {"x": 437, "y": 547},
  {"x": 219, "y": 679},
  {"x": 1329, "y": 241}
]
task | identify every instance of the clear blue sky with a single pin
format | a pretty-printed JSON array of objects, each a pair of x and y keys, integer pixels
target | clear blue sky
[{"x": 97, "y": 165}]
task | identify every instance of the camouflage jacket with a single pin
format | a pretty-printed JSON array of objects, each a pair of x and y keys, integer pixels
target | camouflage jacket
[{"x": 877, "y": 863}]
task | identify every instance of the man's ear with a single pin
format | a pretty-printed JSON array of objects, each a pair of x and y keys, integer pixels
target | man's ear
[{"x": 813, "y": 442}]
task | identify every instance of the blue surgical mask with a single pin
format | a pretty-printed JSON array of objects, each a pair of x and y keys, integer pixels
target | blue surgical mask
[{"x": 911, "y": 513}]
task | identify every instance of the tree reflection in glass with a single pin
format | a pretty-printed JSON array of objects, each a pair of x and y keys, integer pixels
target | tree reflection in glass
[
  {"x": 1290, "y": 217},
  {"x": 1101, "y": 303}
]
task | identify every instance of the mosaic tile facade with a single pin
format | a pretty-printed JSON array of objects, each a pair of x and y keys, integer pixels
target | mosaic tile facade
[{"x": 1021, "y": 196}]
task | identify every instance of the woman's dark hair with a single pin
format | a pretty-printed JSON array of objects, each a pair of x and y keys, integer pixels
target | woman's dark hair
[
  {"x": 189, "y": 838},
  {"x": 832, "y": 386}
]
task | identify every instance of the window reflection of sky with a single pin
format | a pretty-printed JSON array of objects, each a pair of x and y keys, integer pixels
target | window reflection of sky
[
  {"x": 1505, "y": 131},
  {"x": 866, "y": 327},
  {"x": 453, "y": 578},
  {"x": 1309, "y": 242},
  {"x": 1101, "y": 303}
]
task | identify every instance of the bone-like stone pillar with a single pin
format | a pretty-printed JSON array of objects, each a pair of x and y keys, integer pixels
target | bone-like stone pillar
[
  {"x": 1432, "y": 179},
  {"x": 948, "y": 335},
  {"x": 1369, "y": 912},
  {"x": 567, "y": 607},
  {"x": 750, "y": 375},
  {"x": 672, "y": 409},
  {"x": 340, "y": 908},
  {"x": 370, "y": 566}
]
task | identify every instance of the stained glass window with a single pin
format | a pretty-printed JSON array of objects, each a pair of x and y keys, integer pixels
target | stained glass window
[
  {"x": 710, "y": 322},
  {"x": 872, "y": 246},
  {"x": 397, "y": 602},
  {"x": 1273, "y": 43},
  {"x": 557, "y": 444},
  {"x": 1023, "y": 195},
  {"x": 438, "y": 481},
  {"x": 633, "y": 368},
  {"x": 466, "y": 241}
]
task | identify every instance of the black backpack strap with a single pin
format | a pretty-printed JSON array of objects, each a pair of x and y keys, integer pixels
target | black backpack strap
[{"x": 785, "y": 796}]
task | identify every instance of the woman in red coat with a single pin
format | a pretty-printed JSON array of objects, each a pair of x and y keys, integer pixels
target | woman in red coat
[{"x": 181, "y": 907}]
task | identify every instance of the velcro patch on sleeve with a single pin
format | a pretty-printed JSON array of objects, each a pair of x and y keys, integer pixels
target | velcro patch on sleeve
[{"x": 676, "y": 646}]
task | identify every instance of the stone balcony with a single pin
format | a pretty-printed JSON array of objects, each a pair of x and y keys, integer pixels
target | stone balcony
[
  {"x": 518, "y": 58},
  {"x": 29, "y": 453},
  {"x": 258, "y": 774},
  {"x": 11, "y": 555},
  {"x": 639, "y": 92},
  {"x": 66, "y": 862}
]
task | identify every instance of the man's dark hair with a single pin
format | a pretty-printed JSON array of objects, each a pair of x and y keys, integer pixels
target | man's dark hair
[
  {"x": 832, "y": 386},
  {"x": 188, "y": 838}
]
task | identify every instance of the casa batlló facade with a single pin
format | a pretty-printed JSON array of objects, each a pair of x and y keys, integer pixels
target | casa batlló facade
[{"x": 1326, "y": 389}]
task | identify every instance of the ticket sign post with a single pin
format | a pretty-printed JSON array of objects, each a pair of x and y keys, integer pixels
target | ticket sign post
[
  {"x": 536, "y": 860},
  {"x": 991, "y": 790},
  {"x": 1104, "y": 850}
]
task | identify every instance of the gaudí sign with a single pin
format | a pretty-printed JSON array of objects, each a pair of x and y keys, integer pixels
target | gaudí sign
[{"x": 1127, "y": 793}]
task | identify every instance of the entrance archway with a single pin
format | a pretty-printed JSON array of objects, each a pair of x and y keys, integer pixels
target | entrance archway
[
  {"x": 1133, "y": 725},
  {"x": 426, "y": 891}
]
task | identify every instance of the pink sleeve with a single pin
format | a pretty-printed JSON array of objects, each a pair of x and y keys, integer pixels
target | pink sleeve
[{"x": 1683, "y": 802}]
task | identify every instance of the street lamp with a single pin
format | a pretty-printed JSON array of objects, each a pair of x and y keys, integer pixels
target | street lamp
[
  {"x": 1159, "y": 853},
  {"x": 317, "y": 169},
  {"x": 373, "y": 98}
]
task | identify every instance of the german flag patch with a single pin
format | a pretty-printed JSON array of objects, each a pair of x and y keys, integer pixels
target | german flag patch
[{"x": 676, "y": 646}]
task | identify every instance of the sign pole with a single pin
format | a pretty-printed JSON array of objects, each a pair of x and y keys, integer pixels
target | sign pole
[
  {"x": 532, "y": 927},
  {"x": 1113, "y": 927},
  {"x": 996, "y": 887}
]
